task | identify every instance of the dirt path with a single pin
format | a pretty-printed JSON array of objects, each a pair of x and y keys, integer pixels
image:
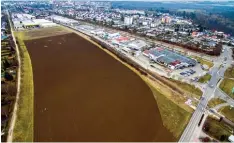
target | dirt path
[{"x": 14, "y": 114}]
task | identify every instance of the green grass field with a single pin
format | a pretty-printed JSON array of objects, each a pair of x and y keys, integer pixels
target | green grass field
[
  {"x": 23, "y": 131},
  {"x": 204, "y": 78},
  {"x": 227, "y": 85},
  {"x": 173, "y": 116},
  {"x": 228, "y": 112},
  {"x": 215, "y": 101},
  {"x": 229, "y": 73},
  {"x": 191, "y": 89},
  {"x": 203, "y": 61}
]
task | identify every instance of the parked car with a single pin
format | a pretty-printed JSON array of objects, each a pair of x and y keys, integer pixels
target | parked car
[
  {"x": 152, "y": 66},
  {"x": 188, "y": 73},
  {"x": 182, "y": 73}
]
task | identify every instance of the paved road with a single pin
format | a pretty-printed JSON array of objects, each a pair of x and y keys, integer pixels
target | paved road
[
  {"x": 222, "y": 95},
  {"x": 192, "y": 129},
  {"x": 219, "y": 106},
  {"x": 14, "y": 115}
]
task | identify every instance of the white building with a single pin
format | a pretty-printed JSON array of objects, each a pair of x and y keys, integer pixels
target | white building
[
  {"x": 137, "y": 45},
  {"x": 113, "y": 35},
  {"x": 145, "y": 23},
  {"x": 128, "y": 20}
]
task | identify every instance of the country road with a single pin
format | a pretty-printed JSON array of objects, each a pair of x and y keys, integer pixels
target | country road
[
  {"x": 14, "y": 114},
  {"x": 191, "y": 132},
  {"x": 220, "y": 106},
  {"x": 222, "y": 95}
]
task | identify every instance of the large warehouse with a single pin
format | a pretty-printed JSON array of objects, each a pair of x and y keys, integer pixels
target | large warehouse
[
  {"x": 168, "y": 58},
  {"x": 64, "y": 20},
  {"x": 24, "y": 21}
]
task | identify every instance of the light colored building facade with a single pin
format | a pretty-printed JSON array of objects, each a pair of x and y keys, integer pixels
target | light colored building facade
[{"x": 128, "y": 20}]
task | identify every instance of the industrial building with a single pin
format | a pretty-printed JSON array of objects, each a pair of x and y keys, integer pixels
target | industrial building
[
  {"x": 166, "y": 19},
  {"x": 25, "y": 21},
  {"x": 137, "y": 45},
  {"x": 63, "y": 20},
  {"x": 128, "y": 20},
  {"x": 168, "y": 58}
]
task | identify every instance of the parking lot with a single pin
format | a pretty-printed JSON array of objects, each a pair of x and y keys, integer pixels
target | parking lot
[{"x": 186, "y": 73}]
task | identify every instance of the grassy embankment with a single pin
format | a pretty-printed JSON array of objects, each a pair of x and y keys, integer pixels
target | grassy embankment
[
  {"x": 228, "y": 84},
  {"x": 215, "y": 101},
  {"x": 204, "y": 62},
  {"x": 190, "y": 89},
  {"x": 217, "y": 129},
  {"x": 204, "y": 78},
  {"x": 228, "y": 112},
  {"x": 23, "y": 131},
  {"x": 174, "y": 117},
  {"x": 174, "y": 113}
]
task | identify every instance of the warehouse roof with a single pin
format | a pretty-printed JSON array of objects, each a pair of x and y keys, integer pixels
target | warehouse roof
[
  {"x": 63, "y": 19},
  {"x": 165, "y": 59},
  {"x": 28, "y": 23},
  {"x": 39, "y": 21},
  {"x": 48, "y": 24},
  {"x": 137, "y": 44}
]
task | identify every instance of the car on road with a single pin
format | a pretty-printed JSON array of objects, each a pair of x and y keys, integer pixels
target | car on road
[
  {"x": 195, "y": 79},
  {"x": 188, "y": 73},
  {"x": 211, "y": 85},
  {"x": 212, "y": 110},
  {"x": 152, "y": 66},
  {"x": 192, "y": 71},
  {"x": 182, "y": 73},
  {"x": 202, "y": 98}
]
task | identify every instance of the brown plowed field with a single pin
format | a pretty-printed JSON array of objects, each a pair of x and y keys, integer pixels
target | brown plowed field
[{"x": 83, "y": 94}]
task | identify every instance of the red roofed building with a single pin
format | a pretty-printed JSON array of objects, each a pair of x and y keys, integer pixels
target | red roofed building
[
  {"x": 146, "y": 53},
  {"x": 122, "y": 39}
]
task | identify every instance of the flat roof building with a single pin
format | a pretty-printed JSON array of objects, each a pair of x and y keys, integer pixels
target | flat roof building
[{"x": 137, "y": 44}]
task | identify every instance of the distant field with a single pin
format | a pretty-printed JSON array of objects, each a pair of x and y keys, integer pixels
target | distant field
[
  {"x": 83, "y": 94},
  {"x": 44, "y": 32}
]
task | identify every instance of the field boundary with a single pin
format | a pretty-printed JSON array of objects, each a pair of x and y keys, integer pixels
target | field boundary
[
  {"x": 18, "y": 82},
  {"x": 44, "y": 34},
  {"x": 23, "y": 130}
]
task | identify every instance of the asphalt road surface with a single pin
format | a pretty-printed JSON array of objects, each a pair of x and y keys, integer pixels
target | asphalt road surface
[{"x": 217, "y": 73}]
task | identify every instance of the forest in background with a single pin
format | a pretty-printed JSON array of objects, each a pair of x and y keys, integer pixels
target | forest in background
[{"x": 212, "y": 15}]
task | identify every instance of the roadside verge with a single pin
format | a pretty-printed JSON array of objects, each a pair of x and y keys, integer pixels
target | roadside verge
[{"x": 23, "y": 130}]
